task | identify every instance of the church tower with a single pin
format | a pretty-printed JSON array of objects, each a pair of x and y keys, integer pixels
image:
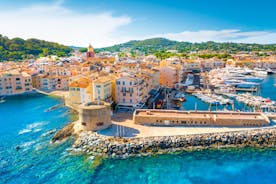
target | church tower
[{"x": 90, "y": 52}]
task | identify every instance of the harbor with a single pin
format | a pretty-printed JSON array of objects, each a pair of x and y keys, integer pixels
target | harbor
[{"x": 225, "y": 97}]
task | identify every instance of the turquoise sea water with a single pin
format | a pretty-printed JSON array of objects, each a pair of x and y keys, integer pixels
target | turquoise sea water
[{"x": 24, "y": 125}]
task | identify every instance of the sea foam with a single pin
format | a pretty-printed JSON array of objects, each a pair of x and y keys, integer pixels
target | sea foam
[
  {"x": 33, "y": 127},
  {"x": 24, "y": 131},
  {"x": 28, "y": 144}
]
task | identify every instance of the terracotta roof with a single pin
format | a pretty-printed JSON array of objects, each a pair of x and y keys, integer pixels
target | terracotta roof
[{"x": 80, "y": 83}]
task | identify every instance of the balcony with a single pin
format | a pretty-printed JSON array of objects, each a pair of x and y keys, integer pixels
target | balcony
[{"x": 124, "y": 91}]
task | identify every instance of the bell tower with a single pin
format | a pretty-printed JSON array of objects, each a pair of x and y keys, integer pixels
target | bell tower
[{"x": 90, "y": 52}]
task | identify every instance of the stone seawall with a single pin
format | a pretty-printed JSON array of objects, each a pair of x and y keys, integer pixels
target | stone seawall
[{"x": 99, "y": 145}]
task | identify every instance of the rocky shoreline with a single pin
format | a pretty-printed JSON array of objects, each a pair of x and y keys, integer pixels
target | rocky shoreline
[{"x": 92, "y": 143}]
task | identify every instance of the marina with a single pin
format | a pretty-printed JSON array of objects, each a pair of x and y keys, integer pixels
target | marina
[
  {"x": 257, "y": 102},
  {"x": 241, "y": 79},
  {"x": 229, "y": 100}
]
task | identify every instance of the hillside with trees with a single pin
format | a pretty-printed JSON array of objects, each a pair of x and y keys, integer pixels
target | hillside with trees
[
  {"x": 17, "y": 49},
  {"x": 160, "y": 46}
]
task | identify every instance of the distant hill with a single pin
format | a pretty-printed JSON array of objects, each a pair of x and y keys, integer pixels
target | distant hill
[
  {"x": 17, "y": 48},
  {"x": 150, "y": 46}
]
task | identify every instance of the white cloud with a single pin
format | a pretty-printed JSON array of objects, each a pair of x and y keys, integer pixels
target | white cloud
[
  {"x": 56, "y": 23},
  {"x": 227, "y": 35}
]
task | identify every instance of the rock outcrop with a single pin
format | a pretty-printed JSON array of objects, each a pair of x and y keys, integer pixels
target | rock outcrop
[{"x": 64, "y": 133}]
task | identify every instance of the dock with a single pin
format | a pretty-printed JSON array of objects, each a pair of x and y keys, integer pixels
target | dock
[{"x": 247, "y": 89}]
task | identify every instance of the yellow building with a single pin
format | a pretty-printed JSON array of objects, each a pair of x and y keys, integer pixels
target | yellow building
[
  {"x": 113, "y": 78},
  {"x": 79, "y": 91}
]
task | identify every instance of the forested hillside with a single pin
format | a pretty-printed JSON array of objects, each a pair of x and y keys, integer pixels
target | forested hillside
[{"x": 17, "y": 49}]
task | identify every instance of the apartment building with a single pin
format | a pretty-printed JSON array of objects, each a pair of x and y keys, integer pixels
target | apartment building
[
  {"x": 129, "y": 90},
  {"x": 171, "y": 74},
  {"x": 49, "y": 83},
  {"x": 101, "y": 89},
  {"x": 15, "y": 82}
]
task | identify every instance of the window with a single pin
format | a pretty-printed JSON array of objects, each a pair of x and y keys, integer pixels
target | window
[
  {"x": 124, "y": 94},
  {"x": 99, "y": 123},
  {"x": 83, "y": 123},
  {"x": 130, "y": 100},
  {"x": 124, "y": 100},
  {"x": 130, "y": 83},
  {"x": 123, "y": 82}
]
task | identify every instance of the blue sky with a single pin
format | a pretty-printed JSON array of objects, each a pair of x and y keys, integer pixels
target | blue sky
[{"x": 107, "y": 22}]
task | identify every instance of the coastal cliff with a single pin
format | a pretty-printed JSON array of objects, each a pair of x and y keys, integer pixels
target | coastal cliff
[{"x": 99, "y": 145}]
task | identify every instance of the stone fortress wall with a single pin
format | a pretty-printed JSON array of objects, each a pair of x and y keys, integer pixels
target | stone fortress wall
[
  {"x": 156, "y": 117},
  {"x": 94, "y": 116}
]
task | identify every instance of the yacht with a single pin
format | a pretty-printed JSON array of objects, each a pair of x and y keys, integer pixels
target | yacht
[{"x": 260, "y": 72}]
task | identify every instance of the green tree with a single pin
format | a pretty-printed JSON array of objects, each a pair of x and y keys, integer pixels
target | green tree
[{"x": 83, "y": 50}]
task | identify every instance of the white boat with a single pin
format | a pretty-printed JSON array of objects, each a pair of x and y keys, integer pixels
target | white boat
[
  {"x": 260, "y": 72},
  {"x": 189, "y": 81}
]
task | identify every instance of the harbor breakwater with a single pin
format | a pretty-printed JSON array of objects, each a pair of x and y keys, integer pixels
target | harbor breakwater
[{"x": 92, "y": 143}]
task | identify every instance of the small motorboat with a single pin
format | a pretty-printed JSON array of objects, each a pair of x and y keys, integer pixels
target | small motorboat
[{"x": 179, "y": 97}]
